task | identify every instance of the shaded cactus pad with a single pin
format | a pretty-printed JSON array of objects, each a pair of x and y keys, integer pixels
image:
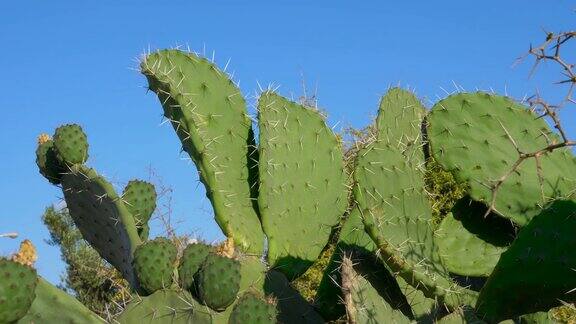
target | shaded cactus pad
[
  {"x": 537, "y": 271},
  {"x": 47, "y": 162}
]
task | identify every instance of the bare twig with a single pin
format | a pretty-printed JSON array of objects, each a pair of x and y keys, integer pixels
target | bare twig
[{"x": 549, "y": 50}]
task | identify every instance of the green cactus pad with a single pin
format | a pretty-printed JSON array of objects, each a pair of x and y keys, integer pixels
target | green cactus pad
[
  {"x": 537, "y": 270},
  {"x": 475, "y": 136},
  {"x": 53, "y": 305},
  {"x": 165, "y": 306},
  {"x": 48, "y": 164},
  {"x": 392, "y": 199},
  {"x": 363, "y": 303},
  {"x": 463, "y": 315},
  {"x": 208, "y": 113},
  {"x": 192, "y": 258},
  {"x": 17, "y": 285},
  {"x": 154, "y": 262},
  {"x": 469, "y": 243},
  {"x": 254, "y": 309},
  {"x": 218, "y": 281},
  {"x": 140, "y": 199},
  {"x": 71, "y": 144},
  {"x": 302, "y": 182},
  {"x": 102, "y": 218}
]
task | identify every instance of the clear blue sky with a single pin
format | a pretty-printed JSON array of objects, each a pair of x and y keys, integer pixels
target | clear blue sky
[{"x": 71, "y": 61}]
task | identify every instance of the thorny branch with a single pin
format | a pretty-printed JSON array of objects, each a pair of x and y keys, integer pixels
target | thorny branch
[{"x": 549, "y": 50}]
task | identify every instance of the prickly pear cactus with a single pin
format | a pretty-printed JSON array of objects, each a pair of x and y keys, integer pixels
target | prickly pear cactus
[
  {"x": 302, "y": 182},
  {"x": 480, "y": 137},
  {"x": 154, "y": 262},
  {"x": 291, "y": 191},
  {"x": 208, "y": 113}
]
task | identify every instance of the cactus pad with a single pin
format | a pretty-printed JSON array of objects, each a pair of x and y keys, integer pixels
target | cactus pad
[
  {"x": 165, "y": 306},
  {"x": 48, "y": 164},
  {"x": 192, "y": 258},
  {"x": 154, "y": 263},
  {"x": 476, "y": 136},
  {"x": 53, "y": 305},
  {"x": 463, "y": 315},
  {"x": 71, "y": 144},
  {"x": 363, "y": 303},
  {"x": 208, "y": 113},
  {"x": 537, "y": 270},
  {"x": 102, "y": 218},
  {"x": 469, "y": 243},
  {"x": 252, "y": 308},
  {"x": 17, "y": 285},
  {"x": 302, "y": 182},
  {"x": 218, "y": 281},
  {"x": 394, "y": 206},
  {"x": 140, "y": 200}
]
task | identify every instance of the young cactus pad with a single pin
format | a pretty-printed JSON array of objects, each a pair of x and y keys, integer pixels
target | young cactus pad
[
  {"x": 480, "y": 137},
  {"x": 101, "y": 217},
  {"x": 17, "y": 289},
  {"x": 218, "y": 281},
  {"x": 154, "y": 262},
  {"x": 71, "y": 144},
  {"x": 140, "y": 200},
  {"x": 208, "y": 113},
  {"x": 302, "y": 182}
]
